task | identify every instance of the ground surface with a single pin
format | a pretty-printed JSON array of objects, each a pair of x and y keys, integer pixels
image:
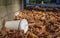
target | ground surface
[{"x": 47, "y": 25}]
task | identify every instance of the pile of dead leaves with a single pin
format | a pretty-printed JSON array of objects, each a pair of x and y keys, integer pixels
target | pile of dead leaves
[{"x": 47, "y": 25}]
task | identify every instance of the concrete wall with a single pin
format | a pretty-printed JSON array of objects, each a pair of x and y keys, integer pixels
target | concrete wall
[{"x": 7, "y": 12}]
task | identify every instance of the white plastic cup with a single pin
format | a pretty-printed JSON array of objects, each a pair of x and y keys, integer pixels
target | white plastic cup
[{"x": 14, "y": 25}]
